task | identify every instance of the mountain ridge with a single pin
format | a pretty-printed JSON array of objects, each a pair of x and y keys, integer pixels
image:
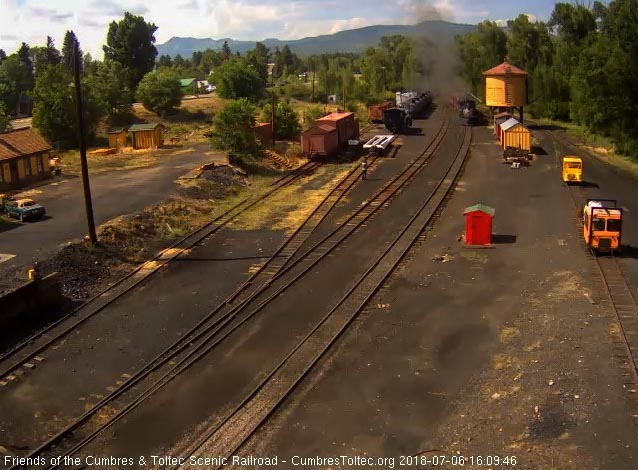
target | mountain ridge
[{"x": 351, "y": 40}]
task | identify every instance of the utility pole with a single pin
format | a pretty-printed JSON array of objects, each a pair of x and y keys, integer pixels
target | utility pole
[
  {"x": 272, "y": 118},
  {"x": 85, "y": 167},
  {"x": 314, "y": 73},
  {"x": 344, "y": 99}
]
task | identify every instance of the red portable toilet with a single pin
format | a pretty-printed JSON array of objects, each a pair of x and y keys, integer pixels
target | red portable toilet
[{"x": 478, "y": 224}]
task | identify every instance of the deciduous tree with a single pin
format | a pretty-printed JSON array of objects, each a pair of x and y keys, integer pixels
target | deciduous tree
[
  {"x": 286, "y": 120},
  {"x": 233, "y": 128},
  {"x": 5, "y": 122},
  {"x": 131, "y": 43},
  {"x": 54, "y": 112},
  {"x": 235, "y": 79},
  {"x": 160, "y": 92},
  {"x": 110, "y": 84}
]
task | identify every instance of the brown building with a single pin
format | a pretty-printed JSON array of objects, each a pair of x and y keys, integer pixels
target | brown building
[
  {"x": 320, "y": 139},
  {"x": 263, "y": 131},
  {"x": 146, "y": 136},
  {"x": 117, "y": 137},
  {"x": 24, "y": 158}
]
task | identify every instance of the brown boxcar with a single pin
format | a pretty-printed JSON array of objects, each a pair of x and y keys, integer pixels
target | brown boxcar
[
  {"x": 345, "y": 123},
  {"x": 375, "y": 112},
  {"x": 321, "y": 140}
]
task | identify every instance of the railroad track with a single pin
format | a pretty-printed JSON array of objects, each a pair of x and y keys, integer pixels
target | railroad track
[
  {"x": 226, "y": 438},
  {"x": 29, "y": 352},
  {"x": 219, "y": 324},
  {"x": 615, "y": 284}
]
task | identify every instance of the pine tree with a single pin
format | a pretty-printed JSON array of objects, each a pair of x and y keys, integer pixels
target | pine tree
[{"x": 67, "y": 50}]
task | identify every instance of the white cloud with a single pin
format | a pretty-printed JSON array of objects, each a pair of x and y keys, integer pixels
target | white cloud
[{"x": 32, "y": 20}]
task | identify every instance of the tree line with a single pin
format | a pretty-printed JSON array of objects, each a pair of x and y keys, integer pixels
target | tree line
[
  {"x": 581, "y": 65},
  {"x": 132, "y": 71},
  {"x": 44, "y": 74}
]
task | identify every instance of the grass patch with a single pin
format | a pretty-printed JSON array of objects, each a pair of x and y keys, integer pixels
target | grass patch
[
  {"x": 287, "y": 209},
  {"x": 190, "y": 110},
  {"x": 596, "y": 145},
  {"x": 70, "y": 160}
]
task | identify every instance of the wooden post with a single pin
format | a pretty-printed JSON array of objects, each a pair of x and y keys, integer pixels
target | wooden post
[{"x": 85, "y": 168}]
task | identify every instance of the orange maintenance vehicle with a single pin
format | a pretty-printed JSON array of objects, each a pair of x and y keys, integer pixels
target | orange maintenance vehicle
[{"x": 602, "y": 225}]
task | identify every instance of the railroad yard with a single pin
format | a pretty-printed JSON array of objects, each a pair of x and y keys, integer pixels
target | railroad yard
[{"x": 362, "y": 327}]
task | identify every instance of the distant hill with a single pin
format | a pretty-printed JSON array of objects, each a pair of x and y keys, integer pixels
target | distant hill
[{"x": 353, "y": 40}]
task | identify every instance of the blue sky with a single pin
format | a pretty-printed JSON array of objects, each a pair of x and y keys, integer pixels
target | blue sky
[{"x": 32, "y": 20}]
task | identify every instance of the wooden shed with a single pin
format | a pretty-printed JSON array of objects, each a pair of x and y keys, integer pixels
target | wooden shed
[
  {"x": 478, "y": 224},
  {"x": 346, "y": 124},
  {"x": 499, "y": 119},
  {"x": 516, "y": 135},
  {"x": 320, "y": 139},
  {"x": 147, "y": 136},
  {"x": 263, "y": 131},
  {"x": 117, "y": 137}
]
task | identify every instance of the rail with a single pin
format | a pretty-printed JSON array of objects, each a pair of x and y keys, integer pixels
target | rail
[
  {"x": 615, "y": 284},
  {"x": 229, "y": 436},
  {"x": 197, "y": 342},
  {"x": 31, "y": 348}
]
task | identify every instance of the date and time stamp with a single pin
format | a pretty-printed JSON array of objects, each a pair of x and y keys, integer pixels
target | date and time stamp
[{"x": 420, "y": 461}]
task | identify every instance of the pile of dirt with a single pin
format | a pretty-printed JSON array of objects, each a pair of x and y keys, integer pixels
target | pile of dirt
[
  {"x": 214, "y": 183},
  {"x": 83, "y": 267}
]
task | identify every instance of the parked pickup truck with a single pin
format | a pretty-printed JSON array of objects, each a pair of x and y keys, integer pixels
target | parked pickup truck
[{"x": 24, "y": 209}]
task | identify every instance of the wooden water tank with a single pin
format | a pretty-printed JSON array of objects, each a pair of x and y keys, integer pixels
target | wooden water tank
[{"x": 505, "y": 86}]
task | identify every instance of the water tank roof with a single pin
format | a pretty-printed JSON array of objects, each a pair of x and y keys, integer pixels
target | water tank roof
[{"x": 504, "y": 69}]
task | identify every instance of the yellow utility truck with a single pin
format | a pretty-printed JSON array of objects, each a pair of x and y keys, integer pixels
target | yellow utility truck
[{"x": 572, "y": 170}]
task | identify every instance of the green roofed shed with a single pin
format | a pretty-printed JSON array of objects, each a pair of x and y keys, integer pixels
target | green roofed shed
[
  {"x": 478, "y": 224},
  {"x": 145, "y": 136},
  {"x": 480, "y": 207},
  {"x": 184, "y": 82}
]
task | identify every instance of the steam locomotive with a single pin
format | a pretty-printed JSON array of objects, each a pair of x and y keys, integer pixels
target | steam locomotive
[
  {"x": 399, "y": 118},
  {"x": 467, "y": 111}
]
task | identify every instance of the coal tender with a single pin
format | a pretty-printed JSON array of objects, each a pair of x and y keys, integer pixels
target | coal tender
[{"x": 409, "y": 105}]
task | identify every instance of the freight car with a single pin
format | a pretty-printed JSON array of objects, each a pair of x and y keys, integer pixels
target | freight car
[
  {"x": 396, "y": 120},
  {"x": 414, "y": 103},
  {"x": 375, "y": 112}
]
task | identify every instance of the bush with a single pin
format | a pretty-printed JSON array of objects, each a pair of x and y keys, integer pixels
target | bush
[
  {"x": 286, "y": 120},
  {"x": 235, "y": 79},
  {"x": 311, "y": 114},
  {"x": 297, "y": 90},
  {"x": 234, "y": 129},
  {"x": 160, "y": 92}
]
